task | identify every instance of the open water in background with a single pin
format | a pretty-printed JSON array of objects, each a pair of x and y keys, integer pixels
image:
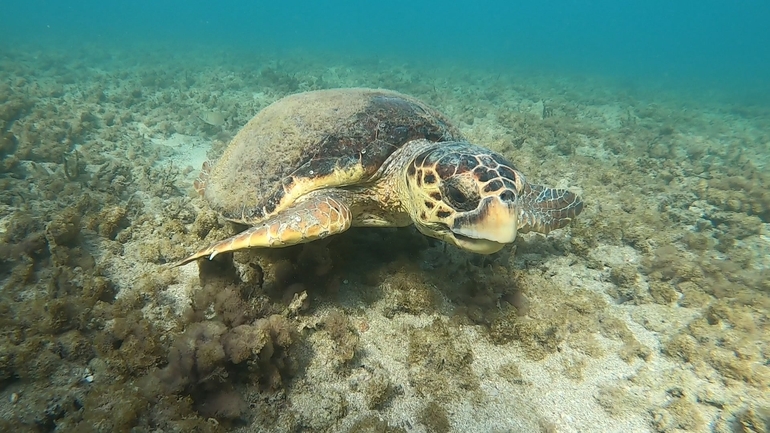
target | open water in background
[{"x": 721, "y": 47}]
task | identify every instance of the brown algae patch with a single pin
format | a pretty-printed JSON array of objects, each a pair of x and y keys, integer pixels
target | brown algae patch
[{"x": 440, "y": 363}]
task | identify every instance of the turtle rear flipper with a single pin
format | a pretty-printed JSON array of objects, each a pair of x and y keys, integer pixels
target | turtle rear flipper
[
  {"x": 319, "y": 215},
  {"x": 545, "y": 209}
]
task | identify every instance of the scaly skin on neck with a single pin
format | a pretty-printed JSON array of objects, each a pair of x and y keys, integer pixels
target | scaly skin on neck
[{"x": 386, "y": 201}]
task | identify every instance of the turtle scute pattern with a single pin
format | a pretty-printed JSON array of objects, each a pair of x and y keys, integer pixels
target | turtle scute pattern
[{"x": 314, "y": 140}]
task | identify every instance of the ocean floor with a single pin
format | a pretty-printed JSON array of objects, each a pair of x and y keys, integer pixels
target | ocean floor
[{"x": 651, "y": 313}]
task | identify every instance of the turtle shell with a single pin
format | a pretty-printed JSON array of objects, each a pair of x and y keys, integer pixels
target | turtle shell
[{"x": 314, "y": 140}]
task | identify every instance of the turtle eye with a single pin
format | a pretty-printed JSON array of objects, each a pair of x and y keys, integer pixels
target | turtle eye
[
  {"x": 508, "y": 196},
  {"x": 459, "y": 197},
  {"x": 456, "y": 195},
  {"x": 459, "y": 192}
]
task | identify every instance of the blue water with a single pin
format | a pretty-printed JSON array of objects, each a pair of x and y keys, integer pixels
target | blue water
[{"x": 724, "y": 45}]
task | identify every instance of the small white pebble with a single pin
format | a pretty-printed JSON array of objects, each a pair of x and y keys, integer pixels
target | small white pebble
[
  {"x": 344, "y": 281},
  {"x": 14, "y": 398}
]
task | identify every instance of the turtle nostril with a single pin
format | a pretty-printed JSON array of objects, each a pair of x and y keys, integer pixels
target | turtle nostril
[{"x": 507, "y": 196}]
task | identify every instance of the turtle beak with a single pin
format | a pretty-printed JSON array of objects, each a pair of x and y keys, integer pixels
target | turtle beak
[{"x": 486, "y": 229}]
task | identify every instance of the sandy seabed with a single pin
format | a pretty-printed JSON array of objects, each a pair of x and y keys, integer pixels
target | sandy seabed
[{"x": 651, "y": 313}]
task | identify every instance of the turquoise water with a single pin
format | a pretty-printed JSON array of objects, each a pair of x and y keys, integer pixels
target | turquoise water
[{"x": 716, "y": 44}]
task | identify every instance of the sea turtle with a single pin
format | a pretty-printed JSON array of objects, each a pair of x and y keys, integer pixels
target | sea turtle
[{"x": 314, "y": 164}]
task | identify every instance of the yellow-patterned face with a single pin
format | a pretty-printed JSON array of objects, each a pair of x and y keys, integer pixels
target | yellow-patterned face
[{"x": 465, "y": 195}]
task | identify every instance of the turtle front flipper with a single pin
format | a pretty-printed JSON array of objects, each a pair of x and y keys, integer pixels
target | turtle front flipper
[
  {"x": 319, "y": 215},
  {"x": 544, "y": 209}
]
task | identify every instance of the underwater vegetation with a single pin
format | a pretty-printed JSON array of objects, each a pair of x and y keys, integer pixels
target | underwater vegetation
[{"x": 655, "y": 303}]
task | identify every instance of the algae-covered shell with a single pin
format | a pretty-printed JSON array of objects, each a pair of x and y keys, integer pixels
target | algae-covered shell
[{"x": 314, "y": 140}]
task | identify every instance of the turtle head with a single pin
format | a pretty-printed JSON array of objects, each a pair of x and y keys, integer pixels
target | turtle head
[
  {"x": 465, "y": 195},
  {"x": 475, "y": 199}
]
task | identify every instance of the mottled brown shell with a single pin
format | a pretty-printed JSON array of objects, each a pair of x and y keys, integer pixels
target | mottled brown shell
[{"x": 313, "y": 140}]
